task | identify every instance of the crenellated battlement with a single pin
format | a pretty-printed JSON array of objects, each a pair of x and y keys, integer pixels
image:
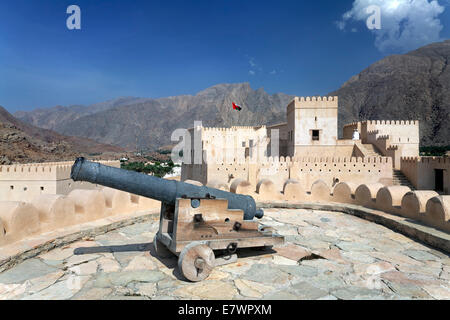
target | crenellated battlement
[
  {"x": 410, "y": 159},
  {"x": 306, "y": 99},
  {"x": 392, "y": 122},
  {"x": 313, "y": 102},
  {"x": 42, "y": 171},
  {"x": 441, "y": 160},
  {"x": 384, "y": 122},
  {"x": 302, "y": 160},
  {"x": 232, "y": 129},
  {"x": 352, "y": 124}
]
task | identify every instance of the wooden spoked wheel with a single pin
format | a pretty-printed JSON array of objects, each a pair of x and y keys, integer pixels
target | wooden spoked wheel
[
  {"x": 196, "y": 261},
  {"x": 160, "y": 249}
]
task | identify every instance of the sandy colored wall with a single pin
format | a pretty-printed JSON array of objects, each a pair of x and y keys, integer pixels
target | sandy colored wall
[
  {"x": 395, "y": 139},
  {"x": 421, "y": 171},
  {"x": 335, "y": 170},
  {"x": 304, "y": 170},
  {"x": 348, "y": 129},
  {"x": 24, "y": 182},
  {"x": 44, "y": 213},
  {"x": 20, "y": 220},
  {"x": 227, "y": 144},
  {"x": 426, "y": 207},
  {"x": 324, "y": 151},
  {"x": 401, "y": 132},
  {"x": 315, "y": 114},
  {"x": 283, "y": 139}
]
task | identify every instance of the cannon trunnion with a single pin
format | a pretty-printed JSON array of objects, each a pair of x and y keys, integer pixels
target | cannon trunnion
[{"x": 202, "y": 226}]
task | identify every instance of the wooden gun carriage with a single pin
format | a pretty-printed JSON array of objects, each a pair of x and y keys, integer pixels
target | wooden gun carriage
[{"x": 202, "y": 226}]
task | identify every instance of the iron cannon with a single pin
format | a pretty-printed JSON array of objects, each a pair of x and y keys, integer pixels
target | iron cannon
[
  {"x": 203, "y": 226},
  {"x": 166, "y": 191}
]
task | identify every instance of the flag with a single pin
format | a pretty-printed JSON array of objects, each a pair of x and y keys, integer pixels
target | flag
[{"x": 236, "y": 107}]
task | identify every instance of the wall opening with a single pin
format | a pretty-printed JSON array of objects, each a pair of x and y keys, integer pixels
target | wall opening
[
  {"x": 315, "y": 135},
  {"x": 439, "y": 180}
]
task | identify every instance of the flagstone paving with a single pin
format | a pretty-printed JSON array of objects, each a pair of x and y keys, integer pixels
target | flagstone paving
[{"x": 327, "y": 255}]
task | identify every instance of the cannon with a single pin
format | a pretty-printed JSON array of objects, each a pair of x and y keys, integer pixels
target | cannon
[{"x": 202, "y": 226}]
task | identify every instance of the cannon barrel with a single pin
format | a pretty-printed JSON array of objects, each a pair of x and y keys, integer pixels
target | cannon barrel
[{"x": 166, "y": 191}]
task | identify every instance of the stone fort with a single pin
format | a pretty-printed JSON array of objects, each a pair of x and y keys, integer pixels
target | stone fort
[
  {"x": 375, "y": 167},
  {"x": 309, "y": 149}
]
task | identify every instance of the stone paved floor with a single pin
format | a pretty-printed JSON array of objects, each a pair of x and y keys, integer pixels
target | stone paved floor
[{"x": 327, "y": 255}]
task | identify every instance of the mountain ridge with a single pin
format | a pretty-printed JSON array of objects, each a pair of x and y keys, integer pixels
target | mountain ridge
[
  {"x": 412, "y": 86},
  {"x": 132, "y": 124},
  {"x": 21, "y": 143}
]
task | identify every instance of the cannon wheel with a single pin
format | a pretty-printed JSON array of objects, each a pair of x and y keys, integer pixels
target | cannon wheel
[
  {"x": 196, "y": 261},
  {"x": 160, "y": 249}
]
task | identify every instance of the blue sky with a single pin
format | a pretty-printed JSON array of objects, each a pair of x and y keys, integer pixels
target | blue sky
[{"x": 165, "y": 48}]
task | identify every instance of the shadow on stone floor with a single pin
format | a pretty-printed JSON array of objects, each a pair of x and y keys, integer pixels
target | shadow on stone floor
[
  {"x": 168, "y": 262},
  {"x": 138, "y": 247}
]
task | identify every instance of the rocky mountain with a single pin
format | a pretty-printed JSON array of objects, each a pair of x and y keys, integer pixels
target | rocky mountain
[
  {"x": 412, "y": 86},
  {"x": 136, "y": 123},
  {"x": 51, "y": 118},
  {"x": 21, "y": 143}
]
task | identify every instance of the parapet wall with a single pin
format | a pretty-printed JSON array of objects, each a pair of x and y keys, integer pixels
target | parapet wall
[
  {"x": 42, "y": 171},
  {"x": 348, "y": 129},
  {"x": 331, "y": 170},
  {"x": 426, "y": 207},
  {"x": 394, "y": 138},
  {"x": 232, "y": 129},
  {"x": 334, "y": 170},
  {"x": 421, "y": 171},
  {"x": 26, "y": 181},
  {"x": 313, "y": 103},
  {"x": 45, "y": 213}
]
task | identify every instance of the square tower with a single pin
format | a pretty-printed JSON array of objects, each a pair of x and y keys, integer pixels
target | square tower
[{"x": 312, "y": 122}]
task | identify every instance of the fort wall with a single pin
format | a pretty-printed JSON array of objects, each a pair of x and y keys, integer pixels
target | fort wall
[
  {"x": 421, "y": 172},
  {"x": 394, "y": 139},
  {"x": 348, "y": 129},
  {"x": 419, "y": 207},
  {"x": 314, "y": 121},
  {"x": 20, "y": 220},
  {"x": 305, "y": 170},
  {"x": 26, "y": 181},
  {"x": 283, "y": 139}
]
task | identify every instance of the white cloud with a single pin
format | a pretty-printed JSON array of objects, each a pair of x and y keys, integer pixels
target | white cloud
[
  {"x": 273, "y": 72},
  {"x": 405, "y": 24},
  {"x": 254, "y": 66}
]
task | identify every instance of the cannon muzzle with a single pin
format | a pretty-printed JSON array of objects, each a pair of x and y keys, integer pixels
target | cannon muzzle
[{"x": 166, "y": 191}]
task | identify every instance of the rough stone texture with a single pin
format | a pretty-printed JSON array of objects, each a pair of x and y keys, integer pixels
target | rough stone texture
[
  {"x": 208, "y": 290},
  {"x": 27, "y": 270},
  {"x": 293, "y": 252},
  {"x": 333, "y": 256}
]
